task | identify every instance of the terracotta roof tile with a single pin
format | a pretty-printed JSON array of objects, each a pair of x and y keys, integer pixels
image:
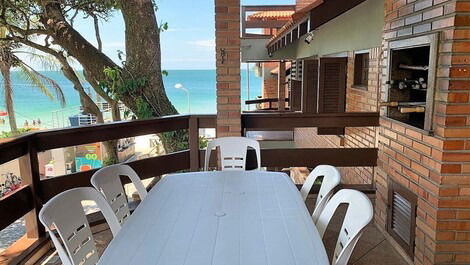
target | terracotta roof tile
[
  {"x": 284, "y": 15},
  {"x": 296, "y": 17}
]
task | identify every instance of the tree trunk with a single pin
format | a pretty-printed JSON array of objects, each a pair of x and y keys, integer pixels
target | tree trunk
[
  {"x": 115, "y": 113},
  {"x": 143, "y": 59},
  {"x": 90, "y": 106},
  {"x": 8, "y": 93},
  {"x": 87, "y": 103},
  {"x": 143, "y": 54}
]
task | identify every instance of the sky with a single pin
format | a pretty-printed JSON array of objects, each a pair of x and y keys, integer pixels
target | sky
[{"x": 189, "y": 42}]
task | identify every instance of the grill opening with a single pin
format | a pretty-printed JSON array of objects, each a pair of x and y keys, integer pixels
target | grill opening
[{"x": 409, "y": 97}]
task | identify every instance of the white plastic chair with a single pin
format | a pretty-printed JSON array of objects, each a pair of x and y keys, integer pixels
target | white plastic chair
[
  {"x": 65, "y": 213},
  {"x": 107, "y": 181},
  {"x": 331, "y": 179},
  {"x": 358, "y": 215},
  {"x": 233, "y": 152}
]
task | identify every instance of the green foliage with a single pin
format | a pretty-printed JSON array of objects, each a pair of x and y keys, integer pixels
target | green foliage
[
  {"x": 144, "y": 111},
  {"x": 42, "y": 82},
  {"x": 116, "y": 86},
  {"x": 163, "y": 26},
  {"x": 202, "y": 142},
  {"x": 12, "y": 134},
  {"x": 175, "y": 141},
  {"x": 108, "y": 161}
]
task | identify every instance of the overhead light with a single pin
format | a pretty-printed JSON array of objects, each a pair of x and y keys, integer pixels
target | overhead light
[{"x": 309, "y": 37}]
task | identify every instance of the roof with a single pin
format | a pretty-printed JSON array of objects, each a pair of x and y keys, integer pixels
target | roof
[
  {"x": 262, "y": 15},
  {"x": 296, "y": 17}
]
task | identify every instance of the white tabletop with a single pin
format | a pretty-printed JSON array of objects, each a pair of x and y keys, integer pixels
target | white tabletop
[{"x": 219, "y": 218}]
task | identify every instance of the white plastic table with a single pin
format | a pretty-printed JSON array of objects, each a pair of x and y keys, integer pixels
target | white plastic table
[{"x": 219, "y": 218}]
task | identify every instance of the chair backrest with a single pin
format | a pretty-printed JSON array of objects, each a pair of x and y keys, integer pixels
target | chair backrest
[
  {"x": 107, "y": 180},
  {"x": 358, "y": 215},
  {"x": 331, "y": 179},
  {"x": 233, "y": 152},
  {"x": 65, "y": 213}
]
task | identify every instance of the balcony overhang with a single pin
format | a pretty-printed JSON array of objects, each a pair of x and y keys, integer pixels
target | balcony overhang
[
  {"x": 254, "y": 50},
  {"x": 358, "y": 28}
]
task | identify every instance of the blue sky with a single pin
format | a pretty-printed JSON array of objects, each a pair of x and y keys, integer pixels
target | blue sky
[{"x": 189, "y": 42}]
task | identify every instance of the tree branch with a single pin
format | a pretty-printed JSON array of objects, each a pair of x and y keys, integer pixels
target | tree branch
[{"x": 97, "y": 32}]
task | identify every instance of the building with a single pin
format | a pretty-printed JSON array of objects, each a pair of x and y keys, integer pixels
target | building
[
  {"x": 379, "y": 88},
  {"x": 408, "y": 60}
]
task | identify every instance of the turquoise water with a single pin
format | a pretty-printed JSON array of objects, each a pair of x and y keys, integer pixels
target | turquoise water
[{"x": 30, "y": 104}]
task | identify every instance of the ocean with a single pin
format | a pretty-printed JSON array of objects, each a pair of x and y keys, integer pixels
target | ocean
[{"x": 31, "y": 105}]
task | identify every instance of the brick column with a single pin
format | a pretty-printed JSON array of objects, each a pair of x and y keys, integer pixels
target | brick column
[
  {"x": 281, "y": 86},
  {"x": 436, "y": 167},
  {"x": 227, "y": 36}
]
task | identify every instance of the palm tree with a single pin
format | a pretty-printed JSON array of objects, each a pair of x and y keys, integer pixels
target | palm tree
[{"x": 9, "y": 60}]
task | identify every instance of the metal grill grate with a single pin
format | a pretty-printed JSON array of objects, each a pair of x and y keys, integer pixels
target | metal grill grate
[
  {"x": 401, "y": 217},
  {"x": 401, "y": 221}
]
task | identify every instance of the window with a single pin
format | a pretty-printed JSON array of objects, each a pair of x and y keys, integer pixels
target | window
[{"x": 361, "y": 70}]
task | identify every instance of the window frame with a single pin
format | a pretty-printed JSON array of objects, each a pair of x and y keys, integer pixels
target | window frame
[{"x": 361, "y": 70}]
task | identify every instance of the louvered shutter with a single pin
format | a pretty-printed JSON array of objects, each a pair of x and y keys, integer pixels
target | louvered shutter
[
  {"x": 332, "y": 90},
  {"x": 309, "y": 86},
  {"x": 296, "y": 95},
  {"x": 401, "y": 220}
]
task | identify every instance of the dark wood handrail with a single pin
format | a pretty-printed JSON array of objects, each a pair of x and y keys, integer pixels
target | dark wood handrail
[
  {"x": 147, "y": 168},
  {"x": 291, "y": 120},
  {"x": 264, "y": 100},
  {"x": 15, "y": 205}
]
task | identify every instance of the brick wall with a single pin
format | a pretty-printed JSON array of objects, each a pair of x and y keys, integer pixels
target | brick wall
[
  {"x": 357, "y": 100},
  {"x": 227, "y": 37},
  {"x": 269, "y": 86},
  {"x": 362, "y": 100},
  {"x": 435, "y": 167}
]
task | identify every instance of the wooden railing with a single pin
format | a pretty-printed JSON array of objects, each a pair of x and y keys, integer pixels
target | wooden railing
[
  {"x": 27, "y": 200},
  {"x": 270, "y": 102}
]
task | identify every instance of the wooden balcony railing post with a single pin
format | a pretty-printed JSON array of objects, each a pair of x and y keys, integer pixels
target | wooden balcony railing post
[
  {"x": 194, "y": 143},
  {"x": 281, "y": 104},
  {"x": 29, "y": 172}
]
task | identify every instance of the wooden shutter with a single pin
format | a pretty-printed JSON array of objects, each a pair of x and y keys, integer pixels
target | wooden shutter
[
  {"x": 332, "y": 90},
  {"x": 296, "y": 95},
  {"x": 310, "y": 86},
  {"x": 401, "y": 219}
]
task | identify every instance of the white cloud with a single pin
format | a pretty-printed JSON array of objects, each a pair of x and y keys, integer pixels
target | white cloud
[{"x": 210, "y": 43}]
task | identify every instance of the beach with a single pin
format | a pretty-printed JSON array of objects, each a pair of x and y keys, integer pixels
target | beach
[{"x": 31, "y": 105}]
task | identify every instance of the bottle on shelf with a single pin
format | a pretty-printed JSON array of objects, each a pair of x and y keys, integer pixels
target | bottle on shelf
[{"x": 418, "y": 84}]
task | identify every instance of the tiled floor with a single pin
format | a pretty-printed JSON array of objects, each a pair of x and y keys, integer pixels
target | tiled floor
[{"x": 372, "y": 248}]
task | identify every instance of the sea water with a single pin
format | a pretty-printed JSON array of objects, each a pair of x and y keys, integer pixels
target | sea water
[{"x": 30, "y": 105}]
